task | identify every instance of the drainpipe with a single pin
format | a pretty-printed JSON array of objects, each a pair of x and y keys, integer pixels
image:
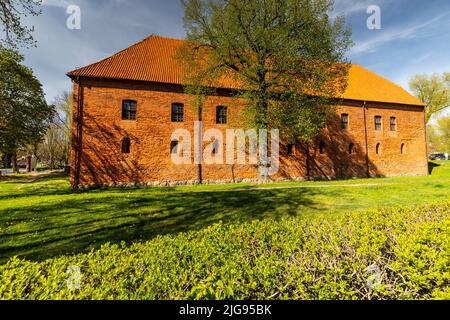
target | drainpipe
[
  {"x": 365, "y": 140},
  {"x": 426, "y": 140},
  {"x": 79, "y": 136},
  {"x": 200, "y": 141}
]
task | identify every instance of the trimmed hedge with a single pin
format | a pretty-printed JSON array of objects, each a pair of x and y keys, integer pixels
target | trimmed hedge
[{"x": 387, "y": 254}]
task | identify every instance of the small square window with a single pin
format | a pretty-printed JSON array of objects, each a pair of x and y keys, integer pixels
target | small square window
[
  {"x": 344, "y": 121},
  {"x": 221, "y": 115},
  {"x": 378, "y": 123},
  {"x": 129, "y": 110},
  {"x": 393, "y": 124},
  {"x": 177, "y": 112}
]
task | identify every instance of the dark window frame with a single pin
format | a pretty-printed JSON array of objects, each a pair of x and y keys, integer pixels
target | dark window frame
[
  {"x": 129, "y": 109},
  {"x": 378, "y": 148},
  {"x": 403, "y": 148},
  {"x": 290, "y": 149},
  {"x": 126, "y": 145},
  {"x": 177, "y": 112},
  {"x": 321, "y": 147},
  {"x": 351, "y": 148},
  {"x": 393, "y": 123},
  {"x": 221, "y": 115},
  {"x": 378, "y": 123},
  {"x": 345, "y": 121}
]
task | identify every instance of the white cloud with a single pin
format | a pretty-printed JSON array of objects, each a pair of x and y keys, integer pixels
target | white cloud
[
  {"x": 390, "y": 35},
  {"x": 422, "y": 58},
  {"x": 349, "y": 7},
  {"x": 56, "y": 3}
]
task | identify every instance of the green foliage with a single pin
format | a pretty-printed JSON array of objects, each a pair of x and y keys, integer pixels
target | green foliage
[
  {"x": 286, "y": 58},
  {"x": 433, "y": 90},
  {"x": 41, "y": 218},
  {"x": 11, "y": 13},
  {"x": 439, "y": 135},
  {"x": 24, "y": 113},
  {"x": 320, "y": 258}
]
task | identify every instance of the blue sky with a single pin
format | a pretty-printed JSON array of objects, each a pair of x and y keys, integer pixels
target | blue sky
[{"x": 414, "y": 36}]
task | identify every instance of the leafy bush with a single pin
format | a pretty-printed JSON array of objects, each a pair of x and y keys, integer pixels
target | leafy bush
[{"x": 387, "y": 254}]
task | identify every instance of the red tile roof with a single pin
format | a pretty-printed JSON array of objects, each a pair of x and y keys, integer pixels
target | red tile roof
[{"x": 154, "y": 60}]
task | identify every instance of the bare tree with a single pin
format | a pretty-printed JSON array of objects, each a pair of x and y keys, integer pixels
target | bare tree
[
  {"x": 55, "y": 148},
  {"x": 11, "y": 14}
]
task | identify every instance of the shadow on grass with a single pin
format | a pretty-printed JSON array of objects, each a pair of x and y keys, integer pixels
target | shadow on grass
[
  {"x": 26, "y": 185},
  {"x": 83, "y": 221},
  {"x": 431, "y": 166}
]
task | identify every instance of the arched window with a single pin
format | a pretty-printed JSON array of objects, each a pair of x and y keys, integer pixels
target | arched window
[
  {"x": 403, "y": 149},
  {"x": 221, "y": 115},
  {"x": 321, "y": 147},
  {"x": 290, "y": 149},
  {"x": 126, "y": 145},
  {"x": 177, "y": 112},
  {"x": 378, "y": 148},
  {"x": 215, "y": 149},
  {"x": 174, "y": 147},
  {"x": 351, "y": 148},
  {"x": 129, "y": 110}
]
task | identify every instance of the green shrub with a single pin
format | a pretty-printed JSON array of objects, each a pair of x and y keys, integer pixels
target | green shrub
[{"x": 403, "y": 253}]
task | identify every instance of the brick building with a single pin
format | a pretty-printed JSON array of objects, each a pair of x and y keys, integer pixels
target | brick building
[{"x": 127, "y": 106}]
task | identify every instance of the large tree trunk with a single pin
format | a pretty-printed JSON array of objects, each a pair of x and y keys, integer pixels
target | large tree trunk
[
  {"x": 261, "y": 122},
  {"x": 28, "y": 164},
  {"x": 14, "y": 163},
  {"x": 7, "y": 160},
  {"x": 264, "y": 162}
]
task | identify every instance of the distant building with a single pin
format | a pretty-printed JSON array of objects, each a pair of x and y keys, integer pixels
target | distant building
[{"x": 127, "y": 106}]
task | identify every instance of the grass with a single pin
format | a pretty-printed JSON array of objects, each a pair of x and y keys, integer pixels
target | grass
[{"x": 41, "y": 218}]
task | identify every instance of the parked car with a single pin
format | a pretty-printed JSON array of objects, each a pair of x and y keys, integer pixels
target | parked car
[{"x": 438, "y": 156}]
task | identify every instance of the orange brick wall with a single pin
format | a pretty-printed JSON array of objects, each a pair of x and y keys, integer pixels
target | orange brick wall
[{"x": 149, "y": 162}]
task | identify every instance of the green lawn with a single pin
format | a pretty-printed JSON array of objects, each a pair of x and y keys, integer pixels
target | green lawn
[{"x": 41, "y": 218}]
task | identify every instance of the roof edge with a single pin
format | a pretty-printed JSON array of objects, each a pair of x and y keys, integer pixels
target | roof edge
[{"x": 224, "y": 88}]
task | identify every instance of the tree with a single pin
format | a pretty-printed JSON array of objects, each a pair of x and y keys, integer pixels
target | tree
[
  {"x": 63, "y": 120},
  {"x": 286, "y": 58},
  {"x": 55, "y": 147},
  {"x": 15, "y": 33},
  {"x": 24, "y": 113},
  {"x": 433, "y": 90},
  {"x": 439, "y": 135},
  {"x": 52, "y": 149}
]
